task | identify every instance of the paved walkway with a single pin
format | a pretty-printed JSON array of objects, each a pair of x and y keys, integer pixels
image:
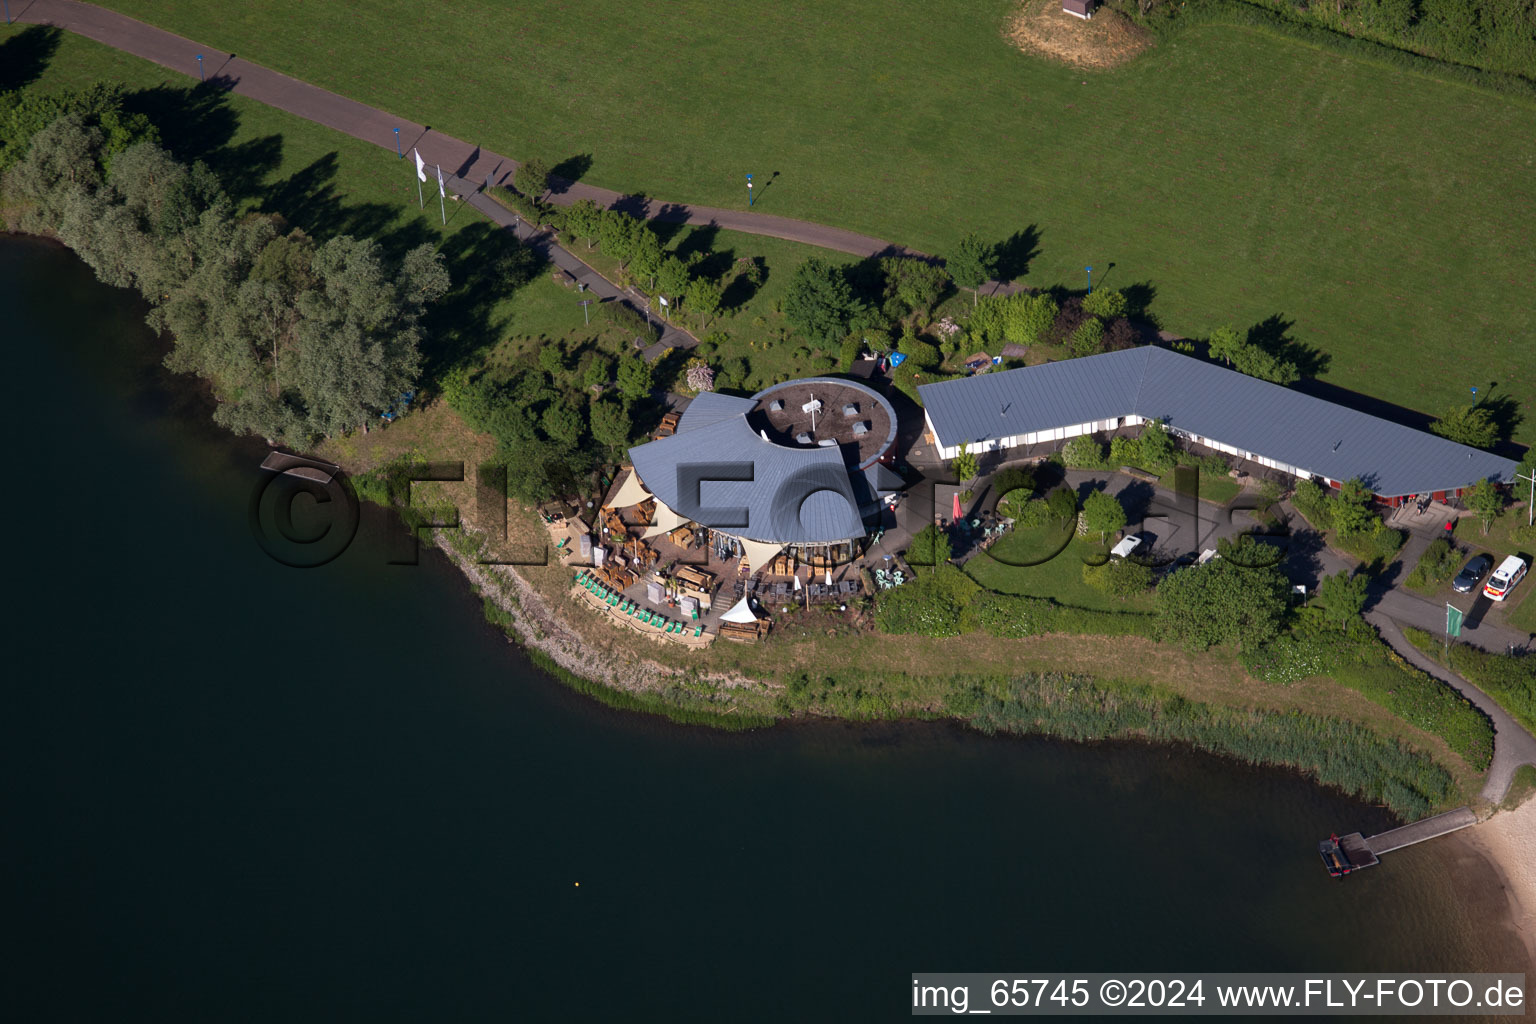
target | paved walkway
[
  {"x": 468, "y": 162},
  {"x": 1513, "y": 746}
]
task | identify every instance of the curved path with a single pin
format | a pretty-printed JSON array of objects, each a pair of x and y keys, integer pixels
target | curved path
[
  {"x": 469, "y": 163},
  {"x": 1513, "y": 746}
]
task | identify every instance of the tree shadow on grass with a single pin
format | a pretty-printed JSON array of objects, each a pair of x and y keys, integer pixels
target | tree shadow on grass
[
  {"x": 568, "y": 172},
  {"x": 1273, "y": 336},
  {"x": 700, "y": 240},
  {"x": 195, "y": 122},
  {"x": 741, "y": 288},
  {"x": 486, "y": 264},
  {"x": 1015, "y": 252},
  {"x": 668, "y": 221},
  {"x": 25, "y": 56},
  {"x": 308, "y": 199}
]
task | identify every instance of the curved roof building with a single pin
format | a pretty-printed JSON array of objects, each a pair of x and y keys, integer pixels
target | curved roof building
[{"x": 797, "y": 463}]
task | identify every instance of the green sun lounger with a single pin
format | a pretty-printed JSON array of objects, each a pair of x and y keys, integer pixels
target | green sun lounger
[{"x": 698, "y": 631}]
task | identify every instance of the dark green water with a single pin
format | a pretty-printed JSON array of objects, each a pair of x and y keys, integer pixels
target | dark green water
[{"x": 237, "y": 790}]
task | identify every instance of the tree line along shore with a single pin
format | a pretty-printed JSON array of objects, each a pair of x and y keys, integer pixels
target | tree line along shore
[{"x": 308, "y": 335}]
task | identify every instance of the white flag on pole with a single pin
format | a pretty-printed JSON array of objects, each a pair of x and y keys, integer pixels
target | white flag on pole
[
  {"x": 421, "y": 165},
  {"x": 440, "y": 190}
]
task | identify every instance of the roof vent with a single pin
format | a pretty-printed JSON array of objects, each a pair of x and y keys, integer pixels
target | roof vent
[{"x": 1337, "y": 443}]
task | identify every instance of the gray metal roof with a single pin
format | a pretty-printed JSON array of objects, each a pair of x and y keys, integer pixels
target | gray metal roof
[
  {"x": 1211, "y": 401},
  {"x": 1031, "y": 398},
  {"x": 750, "y": 487},
  {"x": 709, "y": 408}
]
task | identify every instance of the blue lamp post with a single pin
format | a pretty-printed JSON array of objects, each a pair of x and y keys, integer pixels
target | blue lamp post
[
  {"x": 1090, "y": 277},
  {"x": 200, "y": 73},
  {"x": 749, "y": 191},
  {"x": 7, "y": 12},
  {"x": 398, "y": 153}
]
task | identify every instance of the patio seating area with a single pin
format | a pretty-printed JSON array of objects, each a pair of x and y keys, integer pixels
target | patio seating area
[{"x": 592, "y": 591}]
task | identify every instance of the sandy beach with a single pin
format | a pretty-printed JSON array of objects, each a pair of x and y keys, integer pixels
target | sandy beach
[{"x": 1509, "y": 841}]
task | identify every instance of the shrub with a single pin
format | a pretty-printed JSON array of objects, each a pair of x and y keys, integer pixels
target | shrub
[
  {"x": 1312, "y": 501},
  {"x": 1436, "y": 565},
  {"x": 930, "y": 546},
  {"x": 936, "y": 603},
  {"x": 1014, "y": 478},
  {"x": 1037, "y": 513},
  {"x": 1509, "y": 679},
  {"x": 1083, "y": 452},
  {"x": 1088, "y": 338},
  {"x": 1063, "y": 503},
  {"x": 1375, "y": 545},
  {"x": 920, "y": 353},
  {"x": 1008, "y": 615},
  {"x": 1119, "y": 577},
  {"x": 1124, "y": 451},
  {"x": 1014, "y": 505}
]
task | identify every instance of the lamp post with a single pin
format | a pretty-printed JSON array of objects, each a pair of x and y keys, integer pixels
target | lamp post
[
  {"x": 1090, "y": 277},
  {"x": 1530, "y": 506},
  {"x": 7, "y": 12},
  {"x": 749, "y": 191},
  {"x": 201, "y": 74},
  {"x": 398, "y": 153}
]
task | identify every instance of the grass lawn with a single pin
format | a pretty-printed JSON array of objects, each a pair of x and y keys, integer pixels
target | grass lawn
[
  {"x": 1383, "y": 215},
  {"x": 1014, "y": 565}
]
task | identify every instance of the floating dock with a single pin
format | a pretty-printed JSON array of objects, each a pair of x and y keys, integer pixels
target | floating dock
[{"x": 1366, "y": 851}]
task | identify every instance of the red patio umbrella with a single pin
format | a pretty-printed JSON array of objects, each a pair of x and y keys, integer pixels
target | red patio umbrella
[{"x": 957, "y": 514}]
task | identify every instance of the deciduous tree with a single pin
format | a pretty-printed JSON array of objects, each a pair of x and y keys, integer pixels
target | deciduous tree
[
  {"x": 1103, "y": 514},
  {"x": 1342, "y": 596},
  {"x": 532, "y": 178},
  {"x": 1468, "y": 424},
  {"x": 819, "y": 301},
  {"x": 1221, "y": 602},
  {"x": 972, "y": 263},
  {"x": 1486, "y": 501}
]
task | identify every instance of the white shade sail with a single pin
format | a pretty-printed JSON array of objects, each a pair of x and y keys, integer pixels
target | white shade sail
[
  {"x": 665, "y": 522},
  {"x": 630, "y": 492},
  {"x": 759, "y": 553}
]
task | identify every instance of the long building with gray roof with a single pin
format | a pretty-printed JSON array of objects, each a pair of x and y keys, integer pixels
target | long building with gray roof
[{"x": 1231, "y": 412}]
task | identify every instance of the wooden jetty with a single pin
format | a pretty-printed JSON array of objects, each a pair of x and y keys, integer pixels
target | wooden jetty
[{"x": 1366, "y": 851}]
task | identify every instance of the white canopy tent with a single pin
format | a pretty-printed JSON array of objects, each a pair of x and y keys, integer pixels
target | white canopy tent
[{"x": 740, "y": 612}]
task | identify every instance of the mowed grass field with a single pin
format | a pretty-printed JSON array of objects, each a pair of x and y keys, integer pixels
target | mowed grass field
[{"x": 1388, "y": 217}]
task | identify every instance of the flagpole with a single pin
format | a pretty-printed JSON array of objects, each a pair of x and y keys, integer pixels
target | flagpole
[{"x": 421, "y": 199}]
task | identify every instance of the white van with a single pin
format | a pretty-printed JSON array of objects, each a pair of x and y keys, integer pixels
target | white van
[{"x": 1504, "y": 578}]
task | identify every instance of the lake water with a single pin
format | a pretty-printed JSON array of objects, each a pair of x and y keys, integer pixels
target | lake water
[{"x": 239, "y": 790}]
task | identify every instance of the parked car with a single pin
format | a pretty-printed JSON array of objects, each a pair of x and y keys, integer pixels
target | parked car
[
  {"x": 1128, "y": 546},
  {"x": 1472, "y": 574},
  {"x": 1510, "y": 572}
]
